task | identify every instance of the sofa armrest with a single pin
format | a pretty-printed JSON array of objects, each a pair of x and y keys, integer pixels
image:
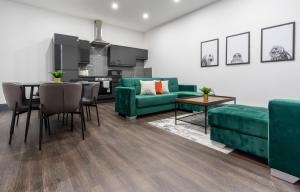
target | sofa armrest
[
  {"x": 284, "y": 135},
  {"x": 125, "y": 102},
  {"x": 192, "y": 88}
]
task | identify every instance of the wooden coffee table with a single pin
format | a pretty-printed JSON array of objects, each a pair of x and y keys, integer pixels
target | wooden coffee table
[{"x": 212, "y": 100}]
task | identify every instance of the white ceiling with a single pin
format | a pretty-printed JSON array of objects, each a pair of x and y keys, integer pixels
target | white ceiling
[{"x": 129, "y": 14}]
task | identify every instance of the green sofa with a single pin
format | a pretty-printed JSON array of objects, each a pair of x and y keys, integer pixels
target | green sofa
[
  {"x": 241, "y": 127},
  {"x": 284, "y": 139},
  {"x": 272, "y": 133},
  {"x": 129, "y": 102}
]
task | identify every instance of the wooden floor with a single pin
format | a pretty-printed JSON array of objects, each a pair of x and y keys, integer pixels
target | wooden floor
[{"x": 123, "y": 155}]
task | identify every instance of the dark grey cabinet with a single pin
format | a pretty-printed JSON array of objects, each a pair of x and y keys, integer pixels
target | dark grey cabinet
[
  {"x": 66, "y": 55},
  {"x": 141, "y": 54},
  {"x": 66, "y": 52},
  {"x": 84, "y": 52},
  {"x": 65, "y": 39},
  {"x": 70, "y": 57},
  {"x": 122, "y": 56},
  {"x": 70, "y": 75}
]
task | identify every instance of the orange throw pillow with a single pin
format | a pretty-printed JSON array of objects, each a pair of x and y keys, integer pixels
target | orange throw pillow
[{"x": 158, "y": 87}]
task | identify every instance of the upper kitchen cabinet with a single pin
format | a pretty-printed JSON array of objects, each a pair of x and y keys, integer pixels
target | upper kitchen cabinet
[
  {"x": 121, "y": 56},
  {"x": 66, "y": 52},
  {"x": 141, "y": 54},
  {"x": 84, "y": 52},
  {"x": 65, "y": 39}
]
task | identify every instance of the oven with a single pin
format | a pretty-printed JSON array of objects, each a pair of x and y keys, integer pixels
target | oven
[{"x": 106, "y": 88}]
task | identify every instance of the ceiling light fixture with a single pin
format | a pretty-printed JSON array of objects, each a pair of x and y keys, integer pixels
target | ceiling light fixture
[
  {"x": 145, "y": 16},
  {"x": 176, "y": 1},
  {"x": 115, "y": 6}
]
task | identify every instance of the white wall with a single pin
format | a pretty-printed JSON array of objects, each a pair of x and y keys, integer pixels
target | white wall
[
  {"x": 175, "y": 50},
  {"x": 26, "y": 51}
]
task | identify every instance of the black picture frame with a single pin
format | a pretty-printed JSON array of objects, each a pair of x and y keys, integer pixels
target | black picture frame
[
  {"x": 201, "y": 53},
  {"x": 293, "y": 36},
  {"x": 248, "y": 47}
]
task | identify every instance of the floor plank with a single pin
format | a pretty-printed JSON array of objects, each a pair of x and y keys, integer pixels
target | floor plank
[{"x": 123, "y": 155}]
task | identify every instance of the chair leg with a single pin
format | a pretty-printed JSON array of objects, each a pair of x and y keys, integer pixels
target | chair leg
[
  {"x": 18, "y": 116},
  {"x": 89, "y": 113},
  {"x": 97, "y": 114},
  {"x": 27, "y": 126},
  {"x": 72, "y": 128},
  {"x": 48, "y": 125},
  {"x": 82, "y": 124},
  {"x": 57, "y": 117},
  {"x": 82, "y": 111},
  {"x": 12, "y": 126},
  {"x": 63, "y": 119},
  {"x": 45, "y": 122},
  {"x": 41, "y": 131},
  {"x": 67, "y": 120}
]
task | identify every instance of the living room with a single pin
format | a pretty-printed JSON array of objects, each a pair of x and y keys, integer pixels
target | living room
[{"x": 131, "y": 95}]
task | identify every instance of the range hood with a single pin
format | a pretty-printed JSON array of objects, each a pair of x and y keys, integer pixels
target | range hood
[{"x": 98, "y": 42}]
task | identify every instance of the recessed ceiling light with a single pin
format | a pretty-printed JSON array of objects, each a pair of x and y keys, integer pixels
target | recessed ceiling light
[
  {"x": 145, "y": 16},
  {"x": 115, "y": 6},
  {"x": 176, "y": 1}
]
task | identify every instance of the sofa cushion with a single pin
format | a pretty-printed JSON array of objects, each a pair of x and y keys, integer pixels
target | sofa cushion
[
  {"x": 243, "y": 119},
  {"x": 135, "y": 82},
  {"x": 152, "y": 100},
  {"x": 165, "y": 86},
  {"x": 187, "y": 94},
  {"x": 173, "y": 84},
  {"x": 148, "y": 88}
]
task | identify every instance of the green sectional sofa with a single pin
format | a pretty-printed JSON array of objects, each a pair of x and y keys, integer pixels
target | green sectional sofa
[
  {"x": 272, "y": 133},
  {"x": 129, "y": 102},
  {"x": 241, "y": 127},
  {"x": 284, "y": 139}
]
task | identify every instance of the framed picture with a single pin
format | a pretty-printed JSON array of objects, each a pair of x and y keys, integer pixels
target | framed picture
[
  {"x": 278, "y": 43},
  {"x": 210, "y": 53},
  {"x": 238, "y": 49}
]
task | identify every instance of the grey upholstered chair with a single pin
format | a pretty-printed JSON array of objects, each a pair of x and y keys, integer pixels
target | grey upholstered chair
[
  {"x": 13, "y": 93},
  {"x": 90, "y": 99},
  {"x": 56, "y": 98}
]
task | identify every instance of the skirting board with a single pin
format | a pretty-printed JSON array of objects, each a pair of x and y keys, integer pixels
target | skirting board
[{"x": 284, "y": 176}]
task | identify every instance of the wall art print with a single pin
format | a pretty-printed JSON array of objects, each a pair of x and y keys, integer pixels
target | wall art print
[
  {"x": 210, "y": 53},
  {"x": 278, "y": 43},
  {"x": 238, "y": 49}
]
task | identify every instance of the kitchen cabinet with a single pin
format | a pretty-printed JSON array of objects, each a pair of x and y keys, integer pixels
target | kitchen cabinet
[
  {"x": 125, "y": 56},
  {"x": 141, "y": 54},
  {"x": 66, "y": 52},
  {"x": 121, "y": 56},
  {"x": 70, "y": 75},
  {"x": 65, "y": 39},
  {"x": 66, "y": 55},
  {"x": 84, "y": 52},
  {"x": 70, "y": 57}
]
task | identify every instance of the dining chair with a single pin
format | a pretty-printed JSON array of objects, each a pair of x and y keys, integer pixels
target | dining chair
[
  {"x": 90, "y": 99},
  {"x": 56, "y": 98},
  {"x": 14, "y": 94}
]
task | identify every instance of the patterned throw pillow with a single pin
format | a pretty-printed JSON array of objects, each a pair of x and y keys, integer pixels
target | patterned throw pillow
[
  {"x": 165, "y": 86},
  {"x": 148, "y": 87}
]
